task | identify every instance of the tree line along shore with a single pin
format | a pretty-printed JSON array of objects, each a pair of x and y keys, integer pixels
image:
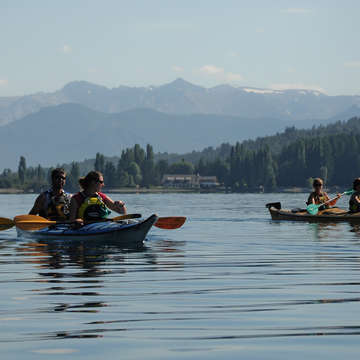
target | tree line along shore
[{"x": 283, "y": 162}]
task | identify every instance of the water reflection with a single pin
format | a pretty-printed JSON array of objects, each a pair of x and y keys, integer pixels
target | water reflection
[
  {"x": 89, "y": 256},
  {"x": 81, "y": 268},
  {"x": 326, "y": 231},
  {"x": 355, "y": 228},
  {"x": 213, "y": 285}
]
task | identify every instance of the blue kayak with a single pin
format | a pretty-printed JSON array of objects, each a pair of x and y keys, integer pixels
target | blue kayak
[{"x": 128, "y": 231}]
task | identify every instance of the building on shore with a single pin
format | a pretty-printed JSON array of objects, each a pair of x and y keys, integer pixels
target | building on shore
[{"x": 189, "y": 181}]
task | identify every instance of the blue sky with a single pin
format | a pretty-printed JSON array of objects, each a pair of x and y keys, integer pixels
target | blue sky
[{"x": 259, "y": 43}]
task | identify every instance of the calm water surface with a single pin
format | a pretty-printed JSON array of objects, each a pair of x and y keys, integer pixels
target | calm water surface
[{"x": 229, "y": 284}]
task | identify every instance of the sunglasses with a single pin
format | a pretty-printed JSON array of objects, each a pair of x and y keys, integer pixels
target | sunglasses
[
  {"x": 317, "y": 185},
  {"x": 100, "y": 181},
  {"x": 60, "y": 178}
]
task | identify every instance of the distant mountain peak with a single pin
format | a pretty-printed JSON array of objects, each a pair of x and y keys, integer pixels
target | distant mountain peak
[
  {"x": 181, "y": 84},
  {"x": 82, "y": 86}
]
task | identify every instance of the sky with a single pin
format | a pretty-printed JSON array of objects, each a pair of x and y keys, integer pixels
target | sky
[{"x": 254, "y": 43}]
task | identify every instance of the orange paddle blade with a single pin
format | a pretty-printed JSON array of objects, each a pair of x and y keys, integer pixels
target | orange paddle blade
[
  {"x": 33, "y": 225},
  {"x": 170, "y": 222},
  {"x": 6, "y": 223},
  {"x": 332, "y": 202},
  {"x": 28, "y": 217}
]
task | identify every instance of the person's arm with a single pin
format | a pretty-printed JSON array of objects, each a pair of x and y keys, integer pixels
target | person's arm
[
  {"x": 326, "y": 196},
  {"x": 38, "y": 205},
  {"x": 117, "y": 206},
  {"x": 311, "y": 199},
  {"x": 357, "y": 199}
]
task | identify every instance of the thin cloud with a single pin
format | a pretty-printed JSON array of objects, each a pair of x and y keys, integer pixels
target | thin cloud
[
  {"x": 4, "y": 82},
  {"x": 92, "y": 70},
  {"x": 352, "y": 64},
  {"x": 220, "y": 73},
  {"x": 169, "y": 26},
  {"x": 232, "y": 54},
  {"x": 234, "y": 77},
  {"x": 66, "y": 49},
  {"x": 211, "y": 70},
  {"x": 177, "y": 68},
  {"x": 296, "y": 11},
  {"x": 297, "y": 86}
]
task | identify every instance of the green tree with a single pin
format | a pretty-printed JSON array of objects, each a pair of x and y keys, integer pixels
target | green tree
[
  {"x": 110, "y": 174},
  {"x": 99, "y": 163},
  {"x": 135, "y": 174},
  {"x": 183, "y": 167},
  {"x": 161, "y": 168},
  {"x": 22, "y": 170},
  {"x": 72, "y": 178},
  {"x": 139, "y": 155},
  {"x": 148, "y": 167}
]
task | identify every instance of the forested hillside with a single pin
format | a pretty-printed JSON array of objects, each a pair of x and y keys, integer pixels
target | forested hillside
[{"x": 284, "y": 160}]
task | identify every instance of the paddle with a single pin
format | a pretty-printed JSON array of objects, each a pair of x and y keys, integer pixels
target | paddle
[
  {"x": 6, "y": 223},
  {"x": 170, "y": 222},
  {"x": 34, "y": 222},
  {"x": 313, "y": 209}
]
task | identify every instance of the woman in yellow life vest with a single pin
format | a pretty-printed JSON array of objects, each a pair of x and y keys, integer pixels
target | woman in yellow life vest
[{"x": 90, "y": 203}]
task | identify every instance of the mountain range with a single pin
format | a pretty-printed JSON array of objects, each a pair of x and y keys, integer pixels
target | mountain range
[
  {"x": 68, "y": 132},
  {"x": 182, "y": 97},
  {"x": 81, "y": 119}
]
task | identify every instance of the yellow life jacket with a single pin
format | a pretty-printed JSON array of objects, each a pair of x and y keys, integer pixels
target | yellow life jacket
[{"x": 93, "y": 208}]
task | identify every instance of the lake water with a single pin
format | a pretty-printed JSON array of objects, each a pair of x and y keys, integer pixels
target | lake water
[{"x": 231, "y": 283}]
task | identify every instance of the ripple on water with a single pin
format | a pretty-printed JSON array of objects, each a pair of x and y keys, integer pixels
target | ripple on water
[{"x": 230, "y": 283}]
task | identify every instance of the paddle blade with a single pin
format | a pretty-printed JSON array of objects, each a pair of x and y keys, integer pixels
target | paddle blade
[
  {"x": 349, "y": 192},
  {"x": 126, "y": 216},
  {"x": 312, "y": 209},
  {"x": 6, "y": 223},
  {"x": 333, "y": 202},
  {"x": 171, "y": 222},
  {"x": 28, "y": 217},
  {"x": 33, "y": 225}
]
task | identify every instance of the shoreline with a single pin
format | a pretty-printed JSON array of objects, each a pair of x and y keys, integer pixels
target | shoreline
[{"x": 161, "y": 190}]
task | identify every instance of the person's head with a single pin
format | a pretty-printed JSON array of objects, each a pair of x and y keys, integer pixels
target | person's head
[
  {"x": 318, "y": 184},
  {"x": 58, "y": 178},
  {"x": 93, "y": 181},
  {"x": 356, "y": 184}
]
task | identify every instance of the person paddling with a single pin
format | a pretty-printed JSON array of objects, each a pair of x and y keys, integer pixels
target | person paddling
[
  {"x": 53, "y": 204},
  {"x": 354, "y": 202},
  {"x": 91, "y": 204},
  {"x": 319, "y": 196}
]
